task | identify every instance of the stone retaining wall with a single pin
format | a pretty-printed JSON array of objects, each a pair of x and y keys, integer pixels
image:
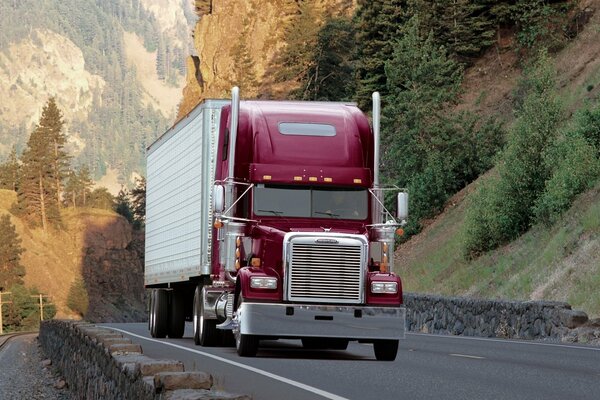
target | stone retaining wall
[
  {"x": 99, "y": 363},
  {"x": 497, "y": 318}
]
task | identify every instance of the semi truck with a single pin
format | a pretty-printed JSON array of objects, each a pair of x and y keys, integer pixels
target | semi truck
[{"x": 267, "y": 220}]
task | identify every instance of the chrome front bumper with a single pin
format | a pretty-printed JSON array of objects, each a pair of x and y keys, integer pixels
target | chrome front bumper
[{"x": 309, "y": 320}]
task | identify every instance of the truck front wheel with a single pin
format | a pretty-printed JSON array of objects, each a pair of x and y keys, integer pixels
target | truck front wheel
[
  {"x": 205, "y": 330},
  {"x": 246, "y": 345},
  {"x": 385, "y": 350}
]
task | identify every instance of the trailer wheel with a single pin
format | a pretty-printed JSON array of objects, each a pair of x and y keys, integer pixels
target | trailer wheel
[
  {"x": 151, "y": 313},
  {"x": 246, "y": 345},
  {"x": 160, "y": 311},
  {"x": 177, "y": 315},
  {"x": 205, "y": 330},
  {"x": 385, "y": 350}
]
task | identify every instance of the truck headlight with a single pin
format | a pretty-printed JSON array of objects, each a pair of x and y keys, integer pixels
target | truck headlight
[
  {"x": 263, "y": 282},
  {"x": 384, "y": 287}
]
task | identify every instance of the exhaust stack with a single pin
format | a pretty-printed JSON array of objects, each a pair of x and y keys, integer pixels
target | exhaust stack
[
  {"x": 376, "y": 127},
  {"x": 235, "y": 115}
]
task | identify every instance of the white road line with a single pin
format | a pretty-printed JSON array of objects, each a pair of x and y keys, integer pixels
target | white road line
[
  {"x": 302, "y": 386},
  {"x": 515, "y": 341},
  {"x": 467, "y": 356}
]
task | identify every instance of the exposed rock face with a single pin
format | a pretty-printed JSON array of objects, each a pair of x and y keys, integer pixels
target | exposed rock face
[
  {"x": 112, "y": 269},
  {"x": 259, "y": 25},
  {"x": 45, "y": 63}
]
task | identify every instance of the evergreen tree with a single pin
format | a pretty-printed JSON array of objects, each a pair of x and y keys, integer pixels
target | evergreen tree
[
  {"x": 9, "y": 172},
  {"x": 243, "y": 71},
  {"x": 37, "y": 191},
  {"x": 378, "y": 25},
  {"x": 296, "y": 58},
  {"x": 123, "y": 205},
  {"x": 330, "y": 76},
  {"x": 138, "y": 202},
  {"x": 51, "y": 126},
  {"x": 11, "y": 270},
  {"x": 429, "y": 149},
  {"x": 465, "y": 27},
  {"x": 101, "y": 198}
]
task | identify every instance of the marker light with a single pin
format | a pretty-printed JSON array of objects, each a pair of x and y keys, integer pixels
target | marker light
[
  {"x": 255, "y": 262},
  {"x": 263, "y": 282},
  {"x": 218, "y": 224},
  {"x": 384, "y": 287}
]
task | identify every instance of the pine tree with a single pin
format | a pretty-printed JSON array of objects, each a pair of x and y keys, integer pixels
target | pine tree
[
  {"x": 44, "y": 165},
  {"x": 51, "y": 125},
  {"x": 9, "y": 172},
  {"x": 296, "y": 59},
  {"x": 11, "y": 270},
  {"x": 378, "y": 24},
  {"x": 123, "y": 205},
  {"x": 101, "y": 198},
  {"x": 330, "y": 76},
  {"x": 138, "y": 202}
]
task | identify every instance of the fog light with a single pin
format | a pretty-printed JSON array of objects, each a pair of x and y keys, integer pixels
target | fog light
[
  {"x": 263, "y": 282},
  {"x": 384, "y": 287}
]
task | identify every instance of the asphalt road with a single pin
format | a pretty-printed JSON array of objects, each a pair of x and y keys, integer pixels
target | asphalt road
[{"x": 427, "y": 367}]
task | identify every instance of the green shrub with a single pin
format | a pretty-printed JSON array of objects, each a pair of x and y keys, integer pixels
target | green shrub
[{"x": 575, "y": 169}]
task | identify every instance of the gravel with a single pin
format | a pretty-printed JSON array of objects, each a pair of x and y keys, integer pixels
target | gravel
[{"x": 26, "y": 374}]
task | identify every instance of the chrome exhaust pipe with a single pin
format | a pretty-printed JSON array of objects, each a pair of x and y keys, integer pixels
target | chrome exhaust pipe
[{"x": 376, "y": 136}]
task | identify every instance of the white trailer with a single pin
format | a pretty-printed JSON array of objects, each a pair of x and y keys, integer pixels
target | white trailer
[{"x": 180, "y": 178}]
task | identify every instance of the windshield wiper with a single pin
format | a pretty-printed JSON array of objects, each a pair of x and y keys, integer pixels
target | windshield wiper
[
  {"x": 328, "y": 213},
  {"x": 274, "y": 212}
]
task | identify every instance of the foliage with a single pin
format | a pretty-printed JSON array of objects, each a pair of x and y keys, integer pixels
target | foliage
[
  {"x": 123, "y": 205},
  {"x": 138, "y": 202},
  {"x": 11, "y": 270},
  {"x": 101, "y": 198},
  {"x": 77, "y": 299},
  {"x": 23, "y": 313},
  {"x": 463, "y": 26},
  {"x": 243, "y": 72},
  {"x": 78, "y": 187},
  {"x": 330, "y": 75},
  {"x": 43, "y": 162},
  {"x": 10, "y": 171},
  {"x": 587, "y": 124},
  {"x": 506, "y": 210},
  {"x": 378, "y": 24},
  {"x": 296, "y": 58},
  {"x": 429, "y": 149},
  {"x": 574, "y": 167}
]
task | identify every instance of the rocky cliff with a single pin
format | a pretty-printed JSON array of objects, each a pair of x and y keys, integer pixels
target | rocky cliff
[
  {"x": 97, "y": 247},
  {"x": 255, "y": 27}
]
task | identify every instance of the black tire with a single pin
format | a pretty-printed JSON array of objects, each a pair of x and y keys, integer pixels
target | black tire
[
  {"x": 161, "y": 313},
  {"x": 246, "y": 345},
  {"x": 177, "y": 315},
  {"x": 151, "y": 325},
  {"x": 385, "y": 350},
  {"x": 205, "y": 330}
]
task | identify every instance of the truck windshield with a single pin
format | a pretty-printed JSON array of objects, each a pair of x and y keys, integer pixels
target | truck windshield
[{"x": 288, "y": 201}]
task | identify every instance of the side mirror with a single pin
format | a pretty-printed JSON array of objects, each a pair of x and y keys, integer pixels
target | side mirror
[
  {"x": 218, "y": 197},
  {"x": 402, "y": 206}
]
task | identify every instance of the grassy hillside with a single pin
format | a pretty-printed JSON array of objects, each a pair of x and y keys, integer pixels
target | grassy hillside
[
  {"x": 557, "y": 263},
  {"x": 561, "y": 262}
]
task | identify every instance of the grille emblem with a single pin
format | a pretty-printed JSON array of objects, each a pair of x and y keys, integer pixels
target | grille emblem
[{"x": 326, "y": 241}]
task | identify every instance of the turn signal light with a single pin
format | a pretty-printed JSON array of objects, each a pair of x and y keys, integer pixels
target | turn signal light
[
  {"x": 218, "y": 224},
  {"x": 255, "y": 262},
  {"x": 400, "y": 232}
]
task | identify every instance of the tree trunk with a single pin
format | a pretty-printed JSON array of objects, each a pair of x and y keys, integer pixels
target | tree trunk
[{"x": 42, "y": 203}]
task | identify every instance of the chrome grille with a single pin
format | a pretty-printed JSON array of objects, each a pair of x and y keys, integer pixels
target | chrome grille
[{"x": 330, "y": 272}]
